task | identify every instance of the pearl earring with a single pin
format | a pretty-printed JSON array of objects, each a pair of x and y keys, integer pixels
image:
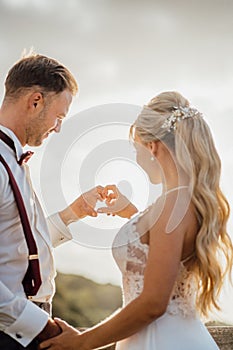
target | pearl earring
[{"x": 152, "y": 158}]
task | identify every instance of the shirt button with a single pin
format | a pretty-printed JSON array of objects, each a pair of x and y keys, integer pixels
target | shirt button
[{"x": 19, "y": 335}]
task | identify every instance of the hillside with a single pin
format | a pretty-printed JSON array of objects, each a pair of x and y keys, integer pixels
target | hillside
[{"x": 82, "y": 302}]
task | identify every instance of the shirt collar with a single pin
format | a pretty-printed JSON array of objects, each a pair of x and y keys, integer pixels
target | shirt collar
[{"x": 18, "y": 146}]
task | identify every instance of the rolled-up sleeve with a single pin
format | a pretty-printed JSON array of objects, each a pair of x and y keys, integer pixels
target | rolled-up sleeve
[{"x": 59, "y": 232}]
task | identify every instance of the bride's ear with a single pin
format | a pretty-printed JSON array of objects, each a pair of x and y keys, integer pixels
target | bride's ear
[{"x": 154, "y": 146}]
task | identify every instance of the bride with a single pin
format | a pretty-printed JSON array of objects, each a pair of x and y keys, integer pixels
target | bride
[{"x": 169, "y": 255}]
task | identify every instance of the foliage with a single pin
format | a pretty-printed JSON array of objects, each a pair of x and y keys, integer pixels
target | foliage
[{"x": 82, "y": 302}]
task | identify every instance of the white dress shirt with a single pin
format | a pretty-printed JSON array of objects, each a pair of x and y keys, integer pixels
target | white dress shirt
[{"x": 19, "y": 317}]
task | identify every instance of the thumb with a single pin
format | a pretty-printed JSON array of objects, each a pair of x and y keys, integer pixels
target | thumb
[
  {"x": 90, "y": 211},
  {"x": 107, "y": 211},
  {"x": 103, "y": 210},
  {"x": 62, "y": 324}
]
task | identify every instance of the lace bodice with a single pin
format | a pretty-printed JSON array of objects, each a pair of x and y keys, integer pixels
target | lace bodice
[{"x": 131, "y": 256}]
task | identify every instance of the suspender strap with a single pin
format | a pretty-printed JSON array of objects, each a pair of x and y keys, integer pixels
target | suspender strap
[
  {"x": 5, "y": 138},
  {"x": 32, "y": 279}
]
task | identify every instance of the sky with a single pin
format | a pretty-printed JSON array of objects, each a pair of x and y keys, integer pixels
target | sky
[{"x": 122, "y": 53}]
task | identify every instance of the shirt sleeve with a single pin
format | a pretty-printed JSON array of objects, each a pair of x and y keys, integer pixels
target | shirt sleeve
[
  {"x": 16, "y": 315},
  {"x": 59, "y": 232}
]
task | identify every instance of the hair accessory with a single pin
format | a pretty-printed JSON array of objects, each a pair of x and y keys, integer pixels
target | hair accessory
[{"x": 180, "y": 113}]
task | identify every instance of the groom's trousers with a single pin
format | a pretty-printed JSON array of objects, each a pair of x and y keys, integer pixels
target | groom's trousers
[{"x": 8, "y": 343}]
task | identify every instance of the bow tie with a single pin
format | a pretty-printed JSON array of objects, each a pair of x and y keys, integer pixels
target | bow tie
[{"x": 24, "y": 157}]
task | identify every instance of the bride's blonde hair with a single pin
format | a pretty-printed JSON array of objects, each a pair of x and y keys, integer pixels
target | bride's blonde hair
[{"x": 192, "y": 144}]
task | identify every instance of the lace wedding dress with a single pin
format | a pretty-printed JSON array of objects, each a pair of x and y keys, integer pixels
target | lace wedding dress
[{"x": 180, "y": 327}]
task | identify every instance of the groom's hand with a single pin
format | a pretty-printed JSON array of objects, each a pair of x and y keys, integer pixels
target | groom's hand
[
  {"x": 52, "y": 329},
  {"x": 83, "y": 206}
]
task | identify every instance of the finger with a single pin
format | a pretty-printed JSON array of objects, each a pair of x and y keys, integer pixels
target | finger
[
  {"x": 90, "y": 211},
  {"x": 112, "y": 196},
  {"x": 45, "y": 344},
  {"x": 63, "y": 324},
  {"x": 94, "y": 196},
  {"x": 108, "y": 188},
  {"x": 110, "y": 204},
  {"x": 52, "y": 345},
  {"x": 93, "y": 213},
  {"x": 100, "y": 191},
  {"x": 110, "y": 200},
  {"x": 111, "y": 187},
  {"x": 103, "y": 210},
  {"x": 100, "y": 197}
]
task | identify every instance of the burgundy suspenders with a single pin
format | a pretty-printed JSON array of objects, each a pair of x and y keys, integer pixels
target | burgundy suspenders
[{"x": 32, "y": 279}]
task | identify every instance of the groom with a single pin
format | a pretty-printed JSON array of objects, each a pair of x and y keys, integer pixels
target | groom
[{"x": 38, "y": 93}]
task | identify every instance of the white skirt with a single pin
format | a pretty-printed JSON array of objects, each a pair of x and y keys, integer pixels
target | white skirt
[{"x": 171, "y": 332}]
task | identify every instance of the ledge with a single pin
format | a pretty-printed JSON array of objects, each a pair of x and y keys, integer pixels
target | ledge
[{"x": 223, "y": 336}]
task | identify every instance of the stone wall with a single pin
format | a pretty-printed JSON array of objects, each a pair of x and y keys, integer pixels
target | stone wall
[{"x": 223, "y": 337}]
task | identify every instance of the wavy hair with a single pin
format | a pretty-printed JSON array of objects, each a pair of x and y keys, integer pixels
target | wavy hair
[{"x": 195, "y": 153}]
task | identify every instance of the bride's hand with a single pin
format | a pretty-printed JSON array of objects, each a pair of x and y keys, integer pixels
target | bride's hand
[
  {"x": 117, "y": 203},
  {"x": 69, "y": 339}
]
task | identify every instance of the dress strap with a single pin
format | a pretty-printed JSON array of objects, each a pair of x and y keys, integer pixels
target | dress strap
[{"x": 175, "y": 189}]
